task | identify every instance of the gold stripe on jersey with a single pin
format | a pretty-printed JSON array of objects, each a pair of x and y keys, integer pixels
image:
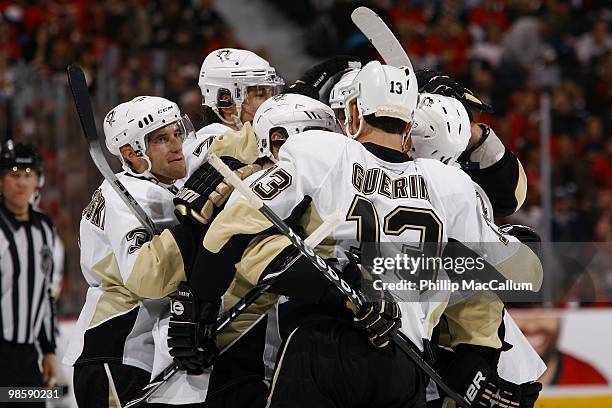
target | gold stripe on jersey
[
  {"x": 241, "y": 144},
  {"x": 520, "y": 193},
  {"x": 476, "y": 321},
  {"x": 115, "y": 299},
  {"x": 237, "y": 218},
  {"x": 434, "y": 318},
  {"x": 158, "y": 269},
  {"x": 523, "y": 267},
  {"x": 156, "y": 273},
  {"x": 257, "y": 256}
]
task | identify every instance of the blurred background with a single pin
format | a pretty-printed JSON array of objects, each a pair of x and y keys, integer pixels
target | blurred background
[{"x": 545, "y": 66}]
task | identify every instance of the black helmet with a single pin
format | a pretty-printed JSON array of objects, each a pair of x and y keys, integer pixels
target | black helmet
[{"x": 20, "y": 156}]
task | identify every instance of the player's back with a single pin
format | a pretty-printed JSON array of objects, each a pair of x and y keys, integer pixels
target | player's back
[
  {"x": 385, "y": 196},
  {"x": 386, "y": 199}
]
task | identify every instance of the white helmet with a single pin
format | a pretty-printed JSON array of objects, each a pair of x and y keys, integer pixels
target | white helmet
[
  {"x": 441, "y": 128},
  {"x": 336, "y": 96},
  {"x": 130, "y": 122},
  {"x": 290, "y": 114},
  {"x": 226, "y": 74},
  {"x": 382, "y": 90}
]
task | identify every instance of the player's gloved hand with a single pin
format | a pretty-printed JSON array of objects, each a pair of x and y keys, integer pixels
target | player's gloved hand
[
  {"x": 473, "y": 373},
  {"x": 522, "y": 232},
  {"x": 432, "y": 81},
  {"x": 313, "y": 80},
  {"x": 206, "y": 190},
  {"x": 190, "y": 335},
  {"x": 380, "y": 320},
  {"x": 526, "y": 235}
]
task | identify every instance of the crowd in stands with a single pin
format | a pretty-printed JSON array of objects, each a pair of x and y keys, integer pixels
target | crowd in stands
[{"x": 509, "y": 52}]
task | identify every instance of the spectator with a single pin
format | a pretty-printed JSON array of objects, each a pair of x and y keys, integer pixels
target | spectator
[
  {"x": 489, "y": 49},
  {"x": 595, "y": 43}
]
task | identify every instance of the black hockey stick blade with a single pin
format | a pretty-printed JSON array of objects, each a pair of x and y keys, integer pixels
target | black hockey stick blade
[{"x": 82, "y": 101}]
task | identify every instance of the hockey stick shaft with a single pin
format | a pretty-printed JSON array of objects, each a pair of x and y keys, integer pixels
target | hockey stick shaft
[
  {"x": 230, "y": 315},
  {"x": 82, "y": 101},
  {"x": 400, "y": 340}
]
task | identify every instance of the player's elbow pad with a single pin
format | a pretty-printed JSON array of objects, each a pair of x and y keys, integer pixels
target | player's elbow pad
[
  {"x": 158, "y": 269},
  {"x": 523, "y": 267}
]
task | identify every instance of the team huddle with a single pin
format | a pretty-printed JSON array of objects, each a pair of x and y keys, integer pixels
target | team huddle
[{"x": 394, "y": 152}]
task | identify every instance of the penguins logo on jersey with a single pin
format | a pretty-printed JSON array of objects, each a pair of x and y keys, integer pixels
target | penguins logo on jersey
[{"x": 139, "y": 236}]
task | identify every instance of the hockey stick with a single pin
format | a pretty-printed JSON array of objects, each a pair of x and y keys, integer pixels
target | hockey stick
[
  {"x": 400, "y": 340},
  {"x": 313, "y": 240},
  {"x": 381, "y": 37},
  {"x": 82, "y": 101},
  {"x": 385, "y": 42}
]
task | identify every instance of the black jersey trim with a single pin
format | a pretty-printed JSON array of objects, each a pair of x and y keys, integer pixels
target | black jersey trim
[{"x": 387, "y": 154}]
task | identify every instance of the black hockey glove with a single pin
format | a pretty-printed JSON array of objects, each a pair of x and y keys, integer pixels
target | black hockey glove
[
  {"x": 378, "y": 317},
  {"x": 526, "y": 235},
  {"x": 435, "y": 82},
  {"x": 473, "y": 373},
  {"x": 190, "y": 333},
  {"x": 380, "y": 320},
  {"x": 206, "y": 190},
  {"x": 313, "y": 80}
]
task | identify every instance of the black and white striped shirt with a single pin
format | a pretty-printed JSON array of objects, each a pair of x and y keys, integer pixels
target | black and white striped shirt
[{"x": 26, "y": 273}]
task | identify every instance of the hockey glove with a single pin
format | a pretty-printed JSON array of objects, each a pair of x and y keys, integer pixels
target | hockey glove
[
  {"x": 380, "y": 320},
  {"x": 473, "y": 373},
  {"x": 206, "y": 190},
  {"x": 522, "y": 232},
  {"x": 190, "y": 333},
  {"x": 526, "y": 235},
  {"x": 313, "y": 80},
  {"x": 435, "y": 82}
]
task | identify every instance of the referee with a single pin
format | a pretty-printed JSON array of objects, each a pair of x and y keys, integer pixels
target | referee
[{"x": 27, "y": 243}]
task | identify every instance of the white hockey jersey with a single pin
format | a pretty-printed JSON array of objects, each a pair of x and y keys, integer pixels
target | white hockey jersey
[
  {"x": 127, "y": 290},
  {"x": 404, "y": 202}
]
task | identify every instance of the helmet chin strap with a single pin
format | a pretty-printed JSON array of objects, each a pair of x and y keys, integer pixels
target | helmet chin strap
[
  {"x": 235, "y": 118},
  {"x": 347, "y": 127},
  {"x": 147, "y": 173}
]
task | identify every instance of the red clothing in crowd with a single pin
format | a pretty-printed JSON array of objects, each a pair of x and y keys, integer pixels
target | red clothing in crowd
[{"x": 572, "y": 371}]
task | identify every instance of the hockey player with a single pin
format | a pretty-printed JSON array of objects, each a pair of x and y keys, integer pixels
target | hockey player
[
  {"x": 484, "y": 157},
  {"x": 113, "y": 350},
  {"x": 233, "y": 83},
  {"x": 244, "y": 368},
  {"x": 441, "y": 131},
  {"x": 307, "y": 185}
]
